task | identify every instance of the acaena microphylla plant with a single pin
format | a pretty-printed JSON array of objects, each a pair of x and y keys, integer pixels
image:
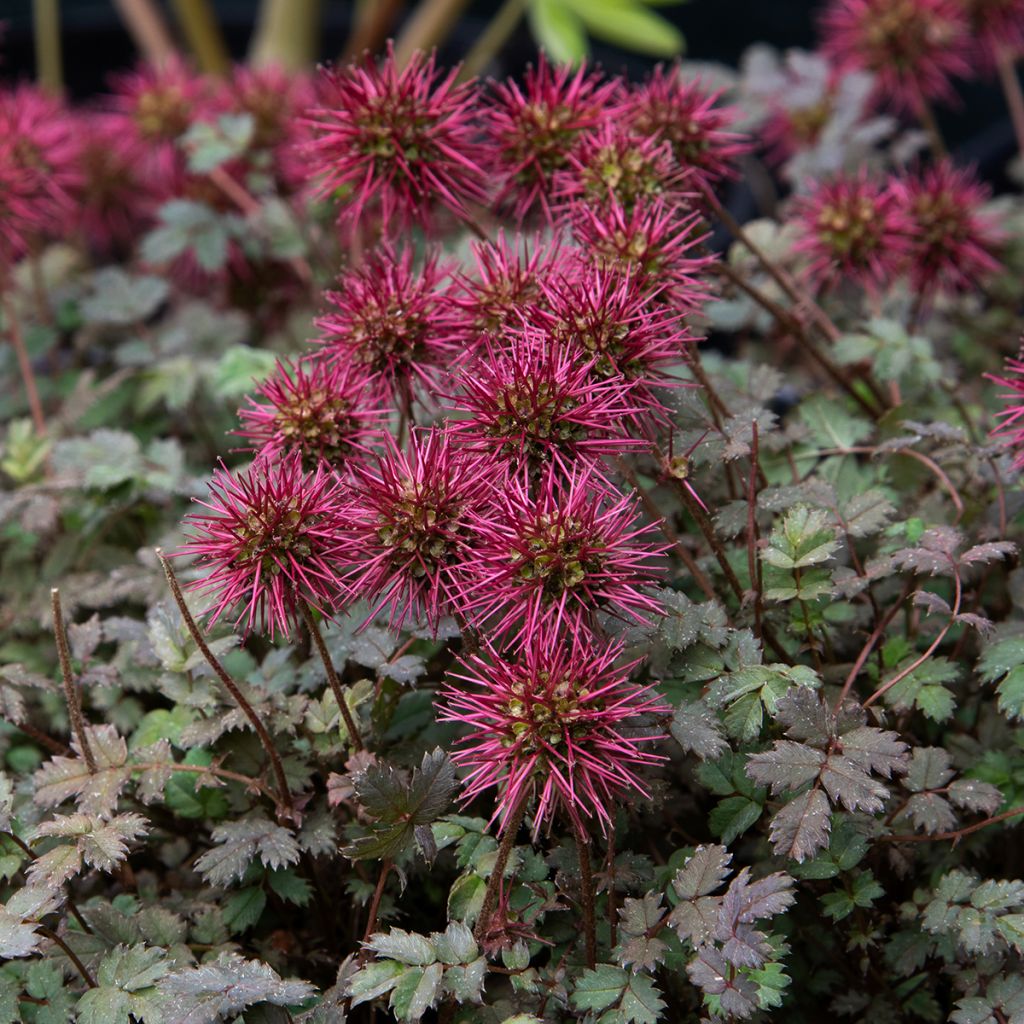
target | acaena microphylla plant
[
  {"x": 267, "y": 539},
  {"x": 326, "y": 411},
  {"x": 1009, "y": 430},
  {"x": 409, "y": 525},
  {"x": 555, "y": 553},
  {"x": 562, "y": 725},
  {"x": 399, "y": 145}
]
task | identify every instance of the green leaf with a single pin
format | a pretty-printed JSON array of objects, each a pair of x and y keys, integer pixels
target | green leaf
[
  {"x": 416, "y": 991},
  {"x": 830, "y": 425},
  {"x": 289, "y": 886},
  {"x": 558, "y": 30},
  {"x": 209, "y": 145},
  {"x": 630, "y": 25},
  {"x": 599, "y": 988},
  {"x": 731, "y": 817},
  {"x": 243, "y": 909},
  {"x": 240, "y": 369}
]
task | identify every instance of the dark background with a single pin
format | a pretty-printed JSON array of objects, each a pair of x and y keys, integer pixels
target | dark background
[{"x": 95, "y": 43}]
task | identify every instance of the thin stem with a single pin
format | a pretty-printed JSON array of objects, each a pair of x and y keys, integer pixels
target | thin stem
[
  {"x": 332, "y": 676},
  {"x": 46, "y": 29},
  {"x": 286, "y": 34},
  {"x": 753, "y": 562},
  {"x": 69, "y": 953},
  {"x": 378, "y": 893},
  {"x": 493, "y": 38},
  {"x": 613, "y": 914},
  {"x": 587, "y": 897},
  {"x": 372, "y": 24},
  {"x": 40, "y": 737},
  {"x": 284, "y": 794},
  {"x": 429, "y": 25},
  {"x": 199, "y": 25},
  {"x": 1006, "y": 65},
  {"x": 928, "y": 122},
  {"x": 959, "y": 833},
  {"x": 508, "y": 841},
  {"x": 28, "y": 376},
  {"x": 32, "y": 855},
  {"x": 146, "y": 26},
  {"x": 71, "y": 695}
]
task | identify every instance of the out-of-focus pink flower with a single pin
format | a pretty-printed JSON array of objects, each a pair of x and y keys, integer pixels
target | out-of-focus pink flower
[
  {"x": 409, "y": 526},
  {"x": 549, "y": 726},
  {"x": 552, "y": 553},
  {"x": 1010, "y": 429},
  {"x": 395, "y": 320},
  {"x": 40, "y": 175},
  {"x": 531, "y": 129},
  {"x": 691, "y": 120},
  {"x": 952, "y": 240},
  {"x": 913, "y": 47},
  {"x": 269, "y": 538},
  {"x": 535, "y": 402},
  {"x": 325, "y": 411},
  {"x": 853, "y": 229},
  {"x": 398, "y": 143},
  {"x": 995, "y": 26}
]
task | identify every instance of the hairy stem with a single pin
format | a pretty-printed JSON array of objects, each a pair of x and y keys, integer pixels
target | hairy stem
[
  {"x": 428, "y": 25},
  {"x": 332, "y": 676},
  {"x": 493, "y": 38},
  {"x": 378, "y": 893},
  {"x": 69, "y": 953},
  {"x": 146, "y": 26},
  {"x": 587, "y": 897},
  {"x": 46, "y": 29},
  {"x": 284, "y": 794},
  {"x": 199, "y": 25},
  {"x": 28, "y": 377},
  {"x": 1006, "y": 65},
  {"x": 71, "y": 695},
  {"x": 508, "y": 841},
  {"x": 372, "y": 24},
  {"x": 959, "y": 833}
]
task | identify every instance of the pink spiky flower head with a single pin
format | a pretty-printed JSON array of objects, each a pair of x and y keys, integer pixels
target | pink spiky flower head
[
  {"x": 1010, "y": 428},
  {"x": 996, "y": 27},
  {"x": 409, "y": 526},
  {"x": 534, "y": 403},
  {"x": 913, "y": 47},
  {"x": 852, "y": 229},
  {"x": 552, "y": 554},
  {"x": 694, "y": 123},
  {"x": 269, "y": 538},
  {"x": 394, "y": 320},
  {"x": 399, "y": 143},
  {"x": 325, "y": 411},
  {"x": 951, "y": 239},
  {"x": 560, "y": 724},
  {"x": 532, "y": 129},
  {"x": 39, "y": 173}
]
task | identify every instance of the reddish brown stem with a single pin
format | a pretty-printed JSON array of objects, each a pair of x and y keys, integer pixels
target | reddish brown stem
[
  {"x": 28, "y": 377},
  {"x": 71, "y": 695},
  {"x": 505, "y": 847},
  {"x": 587, "y": 897},
  {"x": 959, "y": 833}
]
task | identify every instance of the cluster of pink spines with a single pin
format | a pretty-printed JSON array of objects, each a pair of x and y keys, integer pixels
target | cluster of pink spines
[
  {"x": 692, "y": 121},
  {"x": 913, "y": 47},
  {"x": 549, "y": 727},
  {"x": 408, "y": 531},
  {"x": 322, "y": 410},
  {"x": 535, "y": 402},
  {"x": 393, "y": 319},
  {"x": 852, "y": 229},
  {"x": 507, "y": 281},
  {"x": 996, "y": 28},
  {"x": 653, "y": 245},
  {"x": 554, "y": 552},
  {"x": 531, "y": 129},
  {"x": 620, "y": 326},
  {"x": 1010, "y": 429},
  {"x": 614, "y": 166},
  {"x": 399, "y": 143},
  {"x": 951, "y": 239},
  {"x": 269, "y": 538},
  {"x": 39, "y": 167}
]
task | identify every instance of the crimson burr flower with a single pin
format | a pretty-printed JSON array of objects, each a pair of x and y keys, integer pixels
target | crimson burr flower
[
  {"x": 1010, "y": 429},
  {"x": 531, "y": 130},
  {"x": 269, "y": 538},
  {"x": 913, "y": 47},
  {"x": 393, "y": 320},
  {"x": 551, "y": 554},
  {"x": 534, "y": 402},
  {"x": 650, "y": 244},
  {"x": 551, "y": 726},
  {"x": 852, "y": 229},
  {"x": 995, "y": 26},
  {"x": 692, "y": 121},
  {"x": 398, "y": 142},
  {"x": 409, "y": 526},
  {"x": 951, "y": 240},
  {"x": 39, "y": 174},
  {"x": 325, "y": 411}
]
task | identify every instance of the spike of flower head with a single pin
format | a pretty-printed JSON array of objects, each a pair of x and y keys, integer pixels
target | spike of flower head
[
  {"x": 268, "y": 539},
  {"x": 393, "y": 320},
  {"x": 325, "y": 411},
  {"x": 560, "y": 725},
  {"x": 553, "y": 553},
  {"x": 1010, "y": 428},
  {"x": 996, "y": 28},
  {"x": 397, "y": 142},
  {"x": 409, "y": 526},
  {"x": 951, "y": 239},
  {"x": 531, "y": 129},
  {"x": 694, "y": 123},
  {"x": 913, "y": 47},
  {"x": 852, "y": 229},
  {"x": 651, "y": 245},
  {"x": 39, "y": 172},
  {"x": 533, "y": 402}
]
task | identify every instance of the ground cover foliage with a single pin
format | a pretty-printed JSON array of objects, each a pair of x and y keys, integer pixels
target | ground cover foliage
[{"x": 442, "y": 582}]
